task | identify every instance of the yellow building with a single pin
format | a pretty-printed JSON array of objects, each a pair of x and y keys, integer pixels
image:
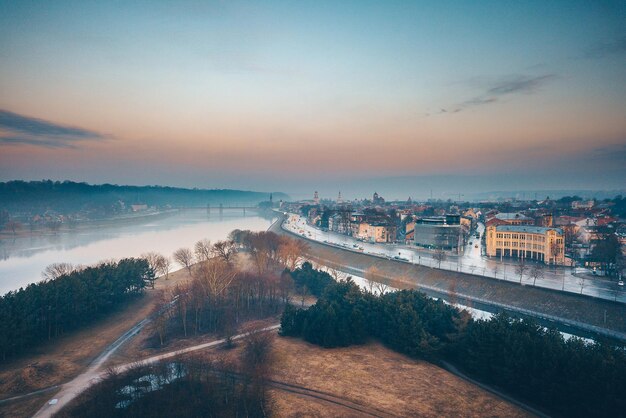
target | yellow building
[
  {"x": 374, "y": 232},
  {"x": 530, "y": 242}
]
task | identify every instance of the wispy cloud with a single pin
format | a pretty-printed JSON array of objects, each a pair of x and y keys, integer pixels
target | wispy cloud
[
  {"x": 603, "y": 49},
  {"x": 495, "y": 90},
  {"x": 25, "y": 130}
]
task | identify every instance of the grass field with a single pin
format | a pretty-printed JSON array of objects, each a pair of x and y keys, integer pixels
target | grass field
[{"x": 375, "y": 376}]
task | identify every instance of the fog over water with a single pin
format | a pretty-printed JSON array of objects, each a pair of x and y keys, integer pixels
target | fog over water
[{"x": 24, "y": 258}]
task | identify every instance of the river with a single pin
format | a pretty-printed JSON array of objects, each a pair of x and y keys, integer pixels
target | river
[{"x": 22, "y": 259}]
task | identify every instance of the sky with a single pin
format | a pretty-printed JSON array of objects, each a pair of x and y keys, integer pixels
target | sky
[{"x": 456, "y": 96}]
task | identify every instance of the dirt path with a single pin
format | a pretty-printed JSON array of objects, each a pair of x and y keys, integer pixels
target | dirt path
[{"x": 94, "y": 374}]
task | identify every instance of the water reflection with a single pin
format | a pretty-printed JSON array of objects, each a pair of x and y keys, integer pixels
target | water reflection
[{"x": 24, "y": 258}]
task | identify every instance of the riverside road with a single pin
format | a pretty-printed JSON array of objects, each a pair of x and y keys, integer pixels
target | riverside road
[{"x": 568, "y": 308}]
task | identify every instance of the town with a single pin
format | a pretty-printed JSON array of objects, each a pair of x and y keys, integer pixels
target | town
[{"x": 586, "y": 236}]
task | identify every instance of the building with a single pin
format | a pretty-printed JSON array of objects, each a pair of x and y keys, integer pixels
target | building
[
  {"x": 443, "y": 232},
  {"x": 583, "y": 204},
  {"x": 375, "y": 232},
  {"x": 378, "y": 200},
  {"x": 505, "y": 218},
  {"x": 316, "y": 198},
  {"x": 523, "y": 241}
]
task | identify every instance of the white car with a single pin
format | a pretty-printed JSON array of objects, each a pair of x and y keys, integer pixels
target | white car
[{"x": 620, "y": 283}]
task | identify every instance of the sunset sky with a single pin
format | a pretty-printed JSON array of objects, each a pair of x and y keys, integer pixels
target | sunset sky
[{"x": 296, "y": 96}]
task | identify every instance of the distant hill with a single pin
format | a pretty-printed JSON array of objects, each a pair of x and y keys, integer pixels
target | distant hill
[{"x": 67, "y": 197}]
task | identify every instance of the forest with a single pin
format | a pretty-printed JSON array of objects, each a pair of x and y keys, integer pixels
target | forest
[
  {"x": 37, "y": 197},
  {"x": 69, "y": 298},
  {"x": 249, "y": 276},
  {"x": 567, "y": 377}
]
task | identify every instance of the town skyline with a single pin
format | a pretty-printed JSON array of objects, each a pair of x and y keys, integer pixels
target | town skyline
[{"x": 278, "y": 97}]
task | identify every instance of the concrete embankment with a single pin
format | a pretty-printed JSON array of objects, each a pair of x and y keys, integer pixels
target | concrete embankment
[{"x": 592, "y": 316}]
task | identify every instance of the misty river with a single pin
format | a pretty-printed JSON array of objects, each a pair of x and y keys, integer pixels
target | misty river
[{"x": 22, "y": 259}]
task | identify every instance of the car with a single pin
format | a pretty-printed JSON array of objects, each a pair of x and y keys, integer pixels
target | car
[
  {"x": 620, "y": 283},
  {"x": 475, "y": 246}
]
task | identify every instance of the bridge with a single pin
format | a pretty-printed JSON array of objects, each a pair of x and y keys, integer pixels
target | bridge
[{"x": 221, "y": 207}]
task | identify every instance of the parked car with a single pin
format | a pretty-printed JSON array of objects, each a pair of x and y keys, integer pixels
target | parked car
[{"x": 620, "y": 283}]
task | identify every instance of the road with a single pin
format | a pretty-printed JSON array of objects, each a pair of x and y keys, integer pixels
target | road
[
  {"x": 470, "y": 261},
  {"x": 94, "y": 373}
]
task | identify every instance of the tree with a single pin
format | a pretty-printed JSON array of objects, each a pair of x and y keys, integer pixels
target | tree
[
  {"x": 372, "y": 276},
  {"x": 606, "y": 251},
  {"x": 521, "y": 268},
  {"x": 155, "y": 261},
  {"x": 286, "y": 285},
  {"x": 216, "y": 275},
  {"x": 159, "y": 324},
  {"x": 225, "y": 250},
  {"x": 439, "y": 256},
  {"x": 164, "y": 266},
  {"x": 202, "y": 250},
  {"x": 291, "y": 251},
  {"x": 56, "y": 270},
  {"x": 184, "y": 257},
  {"x": 332, "y": 264},
  {"x": 496, "y": 270},
  {"x": 382, "y": 286},
  {"x": 581, "y": 283},
  {"x": 536, "y": 272}
]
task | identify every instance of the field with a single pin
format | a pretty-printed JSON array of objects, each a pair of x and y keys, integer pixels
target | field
[{"x": 378, "y": 378}]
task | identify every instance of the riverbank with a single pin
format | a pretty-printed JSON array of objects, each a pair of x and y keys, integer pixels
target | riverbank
[
  {"x": 540, "y": 302},
  {"x": 25, "y": 232}
]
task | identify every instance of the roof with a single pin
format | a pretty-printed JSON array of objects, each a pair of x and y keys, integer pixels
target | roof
[
  {"x": 528, "y": 229},
  {"x": 511, "y": 216}
]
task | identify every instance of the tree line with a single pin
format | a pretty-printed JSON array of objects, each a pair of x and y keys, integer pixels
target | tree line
[
  {"x": 69, "y": 196},
  {"x": 67, "y": 299},
  {"x": 567, "y": 377}
]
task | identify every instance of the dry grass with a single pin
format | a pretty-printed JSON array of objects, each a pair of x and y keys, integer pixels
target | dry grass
[
  {"x": 25, "y": 408},
  {"x": 375, "y": 376},
  {"x": 62, "y": 359}
]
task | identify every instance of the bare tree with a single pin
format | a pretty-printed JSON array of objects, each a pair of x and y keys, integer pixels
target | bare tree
[
  {"x": 536, "y": 272},
  {"x": 439, "y": 257},
  {"x": 225, "y": 250},
  {"x": 216, "y": 275},
  {"x": 159, "y": 321},
  {"x": 165, "y": 265},
  {"x": 581, "y": 283},
  {"x": 382, "y": 286},
  {"x": 521, "y": 268},
  {"x": 56, "y": 270},
  {"x": 184, "y": 257},
  {"x": 291, "y": 251},
  {"x": 372, "y": 276},
  {"x": 257, "y": 357},
  {"x": 202, "y": 250},
  {"x": 286, "y": 285},
  {"x": 155, "y": 261},
  {"x": 496, "y": 270}
]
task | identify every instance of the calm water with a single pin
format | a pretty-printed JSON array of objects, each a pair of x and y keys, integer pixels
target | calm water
[{"x": 23, "y": 259}]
